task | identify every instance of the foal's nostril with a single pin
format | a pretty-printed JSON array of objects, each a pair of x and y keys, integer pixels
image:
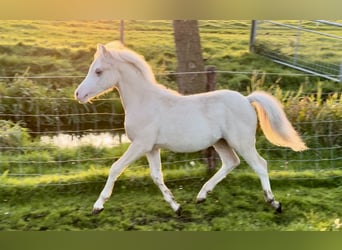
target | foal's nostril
[{"x": 76, "y": 95}]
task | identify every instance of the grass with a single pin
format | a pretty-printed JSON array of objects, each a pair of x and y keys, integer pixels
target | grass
[
  {"x": 235, "y": 204},
  {"x": 61, "y": 198},
  {"x": 66, "y": 48}
]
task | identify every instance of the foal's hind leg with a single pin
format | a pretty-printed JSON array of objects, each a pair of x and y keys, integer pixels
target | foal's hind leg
[
  {"x": 153, "y": 158},
  {"x": 259, "y": 165},
  {"x": 229, "y": 161}
]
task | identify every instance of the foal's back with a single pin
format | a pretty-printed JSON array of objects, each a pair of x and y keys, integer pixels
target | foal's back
[{"x": 191, "y": 123}]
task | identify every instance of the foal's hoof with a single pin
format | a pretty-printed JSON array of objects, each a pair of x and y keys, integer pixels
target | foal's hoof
[
  {"x": 279, "y": 209},
  {"x": 179, "y": 211},
  {"x": 200, "y": 200},
  {"x": 97, "y": 211}
]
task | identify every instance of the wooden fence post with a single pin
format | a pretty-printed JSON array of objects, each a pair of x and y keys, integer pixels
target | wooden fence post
[
  {"x": 122, "y": 31},
  {"x": 211, "y": 77},
  {"x": 210, "y": 153}
]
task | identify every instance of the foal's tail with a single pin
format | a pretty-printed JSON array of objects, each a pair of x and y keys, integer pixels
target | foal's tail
[{"x": 274, "y": 123}]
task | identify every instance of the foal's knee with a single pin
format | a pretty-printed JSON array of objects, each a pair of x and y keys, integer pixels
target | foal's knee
[
  {"x": 156, "y": 178},
  {"x": 236, "y": 161}
]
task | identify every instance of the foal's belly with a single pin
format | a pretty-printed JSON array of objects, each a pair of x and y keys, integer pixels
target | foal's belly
[
  {"x": 188, "y": 138},
  {"x": 187, "y": 146}
]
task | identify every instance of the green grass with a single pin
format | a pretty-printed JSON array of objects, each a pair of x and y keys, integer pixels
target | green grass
[
  {"x": 137, "y": 204},
  {"x": 61, "y": 196},
  {"x": 66, "y": 48}
]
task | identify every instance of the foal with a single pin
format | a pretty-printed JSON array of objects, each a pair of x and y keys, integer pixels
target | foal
[{"x": 156, "y": 118}]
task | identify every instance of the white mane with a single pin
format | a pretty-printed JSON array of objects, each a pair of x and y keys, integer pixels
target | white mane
[{"x": 123, "y": 54}]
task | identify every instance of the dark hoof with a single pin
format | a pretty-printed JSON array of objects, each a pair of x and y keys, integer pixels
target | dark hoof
[
  {"x": 199, "y": 201},
  {"x": 97, "y": 211},
  {"x": 279, "y": 209},
  {"x": 179, "y": 211}
]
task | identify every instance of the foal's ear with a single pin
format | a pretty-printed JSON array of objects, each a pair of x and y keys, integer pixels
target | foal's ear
[{"x": 101, "y": 49}]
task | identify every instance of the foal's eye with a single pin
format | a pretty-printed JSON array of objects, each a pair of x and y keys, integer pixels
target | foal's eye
[{"x": 98, "y": 72}]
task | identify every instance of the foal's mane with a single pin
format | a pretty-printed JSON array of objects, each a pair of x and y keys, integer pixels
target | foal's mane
[{"x": 123, "y": 54}]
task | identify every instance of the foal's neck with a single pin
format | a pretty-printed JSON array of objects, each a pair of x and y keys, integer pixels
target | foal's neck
[{"x": 134, "y": 88}]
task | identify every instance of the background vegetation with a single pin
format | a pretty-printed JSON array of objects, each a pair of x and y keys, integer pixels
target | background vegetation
[{"x": 48, "y": 187}]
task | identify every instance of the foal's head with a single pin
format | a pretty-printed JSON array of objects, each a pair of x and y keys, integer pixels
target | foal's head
[{"x": 102, "y": 75}]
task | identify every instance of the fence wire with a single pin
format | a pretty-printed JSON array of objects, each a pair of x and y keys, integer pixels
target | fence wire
[
  {"x": 310, "y": 46},
  {"x": 65, "y": 152},
  {"x": 59, "y": 151}
]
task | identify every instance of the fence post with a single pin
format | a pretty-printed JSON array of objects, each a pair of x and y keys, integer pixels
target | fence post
[
  {"x": 122, "y": 31},
  {"x": 210, "y": 153},
  {"x": 252, "y": 36},
  {"x": 211, "y": 78},
  {"x": 297, "y": 44}
]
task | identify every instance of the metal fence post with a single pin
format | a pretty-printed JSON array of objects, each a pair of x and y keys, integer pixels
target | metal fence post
[
  {"x": 252, "y": 36},
  {"x": 297, "y": 43}
]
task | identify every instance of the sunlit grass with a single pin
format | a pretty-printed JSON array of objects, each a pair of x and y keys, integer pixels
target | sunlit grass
[{"x": 235, "y": 204}]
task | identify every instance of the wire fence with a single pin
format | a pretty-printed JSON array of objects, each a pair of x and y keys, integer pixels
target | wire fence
[
  {"x": 309, "y": 46},
  {"x": 65, "y": 150},
  {"x": 67, "y": 138},
  {"x": 166, "y": 73}
]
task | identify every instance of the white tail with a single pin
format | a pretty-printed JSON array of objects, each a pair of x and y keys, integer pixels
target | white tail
[{"x": 274, "y": 123}]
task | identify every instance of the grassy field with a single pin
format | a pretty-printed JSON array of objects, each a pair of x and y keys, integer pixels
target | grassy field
[
  {"x": 66, "y": 48},
  {"x": 46, "y": 187},
  {"x": 236, "y": 204},
  {"x": 61, "y": 196}
]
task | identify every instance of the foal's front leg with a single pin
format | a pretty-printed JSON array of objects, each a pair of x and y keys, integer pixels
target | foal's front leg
[
  {"x": 153, "y": 158},
  {"x": 134, "y": 151}
]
